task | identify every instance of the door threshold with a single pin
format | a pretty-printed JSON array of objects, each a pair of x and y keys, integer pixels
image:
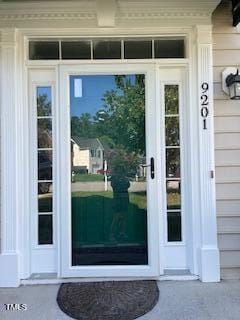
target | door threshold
[
  {"x": 52, "y": 278},
  {"x": 177, "y": 275}
]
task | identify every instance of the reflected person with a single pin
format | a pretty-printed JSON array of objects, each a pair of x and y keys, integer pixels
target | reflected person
[{"x": 120, "y": 184}]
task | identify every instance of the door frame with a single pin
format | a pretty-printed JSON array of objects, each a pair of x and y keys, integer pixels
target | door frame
[
  {"x": 203, "y": 253},
  {"x": 64, "y": 183}
]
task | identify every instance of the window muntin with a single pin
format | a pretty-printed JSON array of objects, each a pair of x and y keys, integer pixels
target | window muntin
[{"x": 108, "y": 48}]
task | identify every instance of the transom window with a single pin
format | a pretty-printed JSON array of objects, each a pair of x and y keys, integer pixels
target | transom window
[{"x": 96, "y": 49}]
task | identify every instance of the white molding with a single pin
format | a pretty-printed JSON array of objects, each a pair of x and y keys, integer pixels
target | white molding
[
  {"x": 209, "y": 269},
  {"x": 22, "y": 150},
  {"x": 9, "y": 175},
  {"x": 9, "y": 276},
  {"x": 8, "y": 143},
  {"x": 105, "y": 12}
]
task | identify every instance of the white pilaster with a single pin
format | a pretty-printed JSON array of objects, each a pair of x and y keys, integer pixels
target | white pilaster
[
  {"x": 208, "y": 253},
  {"x": 8, "y": 256}
]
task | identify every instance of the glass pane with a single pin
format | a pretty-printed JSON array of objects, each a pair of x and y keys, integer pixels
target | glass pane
[
  {"x": 45, "y": 165},
  {"x": 45, "y": 197},
  {"x": 173, "y": 194},
  {"x": 45, "y": 231},
  {"x": 109, "y": 200},
  {"x": 44, "y": 101},
  {"x": 171, "y": 99},
  {"x": 44, "y": 133},
  {"x": 76, "y": 49},
  {"x": 172, "y": 131},
  {"x": 138, "y": 49},
  {"x": 173, "y": 163},
  {"x": 43, "y": 50},
  {"x": 174, "y": 226},
  {"x": 106, "y": 49},
  {"x": 169, "y": 48}
]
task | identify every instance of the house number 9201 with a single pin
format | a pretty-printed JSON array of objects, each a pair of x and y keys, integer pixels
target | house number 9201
[{"x": 204, "y": 104}]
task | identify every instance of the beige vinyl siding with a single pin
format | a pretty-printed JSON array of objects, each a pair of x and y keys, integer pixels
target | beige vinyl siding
[{"x": 226, "y": 53}]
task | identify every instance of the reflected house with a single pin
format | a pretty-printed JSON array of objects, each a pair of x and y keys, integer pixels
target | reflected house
[{"x": 87, "y": 155}]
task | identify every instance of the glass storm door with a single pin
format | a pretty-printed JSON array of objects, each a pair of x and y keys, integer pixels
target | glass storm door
[
  {"x": 109, "y": 172},
  {"x": 108, "y": 151}
]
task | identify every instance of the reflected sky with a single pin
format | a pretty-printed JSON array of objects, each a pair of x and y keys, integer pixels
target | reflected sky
[
  {"x": 44, "y": 91},
  {"x": 93, "y": 89}
]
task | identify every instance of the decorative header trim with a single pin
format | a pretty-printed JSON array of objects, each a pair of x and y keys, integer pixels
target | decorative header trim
[
  {"x": 105, "y": 12},
  {"x": 157, "y": 15},
  {"x": 93, "y": 16},
  {"x": 47, "y": 16}
]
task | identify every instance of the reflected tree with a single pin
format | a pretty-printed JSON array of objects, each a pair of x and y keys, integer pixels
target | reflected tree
[
  {"x": 171, "y": 99},
  {"x": 125, "y": 113},
  {"x": 43, "y": 105}
]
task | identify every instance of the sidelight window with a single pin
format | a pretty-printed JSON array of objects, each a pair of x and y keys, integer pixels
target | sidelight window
[
  {"x": 173, "y": 163},
  {"x": 45, "y": 161}
]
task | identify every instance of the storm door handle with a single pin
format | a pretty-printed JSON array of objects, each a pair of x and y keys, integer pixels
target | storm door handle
[{"x": 152, "y": 168}]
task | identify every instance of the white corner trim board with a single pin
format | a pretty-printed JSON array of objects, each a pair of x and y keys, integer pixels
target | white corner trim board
[{"x": 209, "y": 253}]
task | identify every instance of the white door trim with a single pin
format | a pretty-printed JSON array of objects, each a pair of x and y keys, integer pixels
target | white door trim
[{"x": 14, "y": 169}]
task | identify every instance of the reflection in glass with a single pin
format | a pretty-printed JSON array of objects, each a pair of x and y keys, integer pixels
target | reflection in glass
[
  {"x": 173, "y": 194},
  {"x": 45, "y": 165},
  {"x": 174, "y": 226},
  {"x": 47, "y": 50},
  {"x": 109, "y": 201},
  {"x": 134, "y": 49},
  {"x": 76, "y": 49},
  {"x": 172, "y": 131},
  {"x": 173, "y": 156},
  {"x": 106, "y": 49},
  {"x": 171, "y": 99},
  {"x": 169, "y": 48},
  {"x": 44, "y": 99},
  {"x": 173, "y": 162},
  {"x": 45, "y": 232},
  {"x": 45, "y": 197},
  {"x": 44, "y": 133}
]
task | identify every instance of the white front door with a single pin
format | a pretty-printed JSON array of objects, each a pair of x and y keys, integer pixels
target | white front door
[{"x": 108, "y": 196}]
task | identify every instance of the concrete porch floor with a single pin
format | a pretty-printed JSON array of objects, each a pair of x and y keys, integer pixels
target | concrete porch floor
[{"x": 180, "y": 300}]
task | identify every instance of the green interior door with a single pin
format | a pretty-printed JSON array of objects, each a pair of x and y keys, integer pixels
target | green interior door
[{"x": 108, "y": 189}]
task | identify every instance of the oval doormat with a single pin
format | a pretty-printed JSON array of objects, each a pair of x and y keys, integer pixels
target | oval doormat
[{"x": 110, "y": 300}]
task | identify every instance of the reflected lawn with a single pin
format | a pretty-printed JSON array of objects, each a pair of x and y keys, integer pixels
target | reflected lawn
[
  {"x": 88, "y": 177},
  {"x": 136, "y": 198},
  {"x": 95, "y": 222}
]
